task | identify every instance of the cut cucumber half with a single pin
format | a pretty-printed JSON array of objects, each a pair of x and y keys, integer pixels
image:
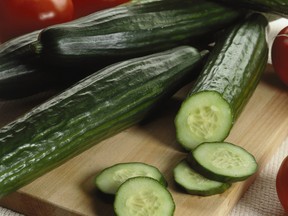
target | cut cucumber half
[
  {"x": 109, "y": 179},
  {"x": 223, "y": 161},
  {"x": 196, "y": 184},
  {"x": 226, "y": 83},
  {"x": 203, "y": 117},
  {"x": 143, "y": 196}
]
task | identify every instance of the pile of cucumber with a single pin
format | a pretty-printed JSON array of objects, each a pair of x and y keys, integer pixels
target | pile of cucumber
[
  {"x": 141, "y": 189},
  {"x": 113, "y": 67}
]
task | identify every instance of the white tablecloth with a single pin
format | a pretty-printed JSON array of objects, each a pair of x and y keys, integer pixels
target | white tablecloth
[{"x": 261, "y": 198}]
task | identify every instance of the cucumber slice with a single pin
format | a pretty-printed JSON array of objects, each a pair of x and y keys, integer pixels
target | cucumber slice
[
  {"x": 109, "y": 179},
  {"x": 196, "y": 184},
  {"x": 203, "y": 117},
  {"x": 223, "y": 161},
  {"x": 143, "y": 196}
]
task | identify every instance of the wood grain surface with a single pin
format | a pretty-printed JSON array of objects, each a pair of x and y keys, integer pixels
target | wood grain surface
[{"x": 69, "y": 189}]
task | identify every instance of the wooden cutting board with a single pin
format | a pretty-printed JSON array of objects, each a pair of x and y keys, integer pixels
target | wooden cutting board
[{"x": 69, "y": 189}]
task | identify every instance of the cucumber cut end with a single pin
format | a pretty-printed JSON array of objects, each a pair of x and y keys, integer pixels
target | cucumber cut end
[
  {"x": 143, "y": 196},
  {"x": 223, "y": 161},
  {"x": 203, "y": 117}
]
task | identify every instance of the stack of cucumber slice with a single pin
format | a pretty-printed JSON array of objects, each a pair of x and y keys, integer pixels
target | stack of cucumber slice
[
  {"x": 139, "y": 189},
  {"x": 211, "y": 168}
]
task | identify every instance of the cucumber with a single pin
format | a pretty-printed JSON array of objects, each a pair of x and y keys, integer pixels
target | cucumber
[
  {"x": 109, "y": 179},
  {"x": 143, "y": 196},
  {"x": 194, "y": 183},
  {"x": 279, "y": 7},
  {"x": 132, "y": 30},
  {"x": 223, "y": 161},
  {"x": 23, "y": 74},
  {"x": 225, "y": 85},
  {"x": 97, "y": 107}
]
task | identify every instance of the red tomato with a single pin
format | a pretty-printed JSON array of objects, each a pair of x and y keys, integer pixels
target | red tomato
[
  {"x": 18, "y": 17},
  {"x": 85, "y": 7},
  {"x": 279, "y": 55},
  {"x": 282, "y": 184}
]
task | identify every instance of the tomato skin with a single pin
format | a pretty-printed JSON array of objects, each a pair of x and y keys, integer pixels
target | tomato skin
[
  {"x": 85, "y": 7},
  {"x": 279, "y": 54},
  {"x": 282, "y": 184},
  {"x": 18, "y": 17}
]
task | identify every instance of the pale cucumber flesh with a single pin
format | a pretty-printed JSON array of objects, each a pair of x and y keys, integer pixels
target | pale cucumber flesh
[
  {"x": 203, "y": 117},
  {"x": 110, "y": 178},
  {"x": 223, "y": 161},
  {"x": 141, "y": 196}
]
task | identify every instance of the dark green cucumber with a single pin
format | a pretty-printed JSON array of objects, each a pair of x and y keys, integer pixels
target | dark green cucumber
[
  {"x": 279, "y": 7},
  {"x": 223, "y": 161},
  {"x": 22, "y": 73},
  {"x": 99, "y": 106},
  {"x": 132, "y": 30},
  {"x": 229, "y": 78}
]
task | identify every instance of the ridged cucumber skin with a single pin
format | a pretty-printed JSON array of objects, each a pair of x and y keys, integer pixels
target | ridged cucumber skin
[
  {"x": 133, "y": 30},
  {"x": 279, "y": 7},
  {"x": 95, "y": 108},
  {"x": 244, "y": 52},
  {"x": 234, "y": 67}
]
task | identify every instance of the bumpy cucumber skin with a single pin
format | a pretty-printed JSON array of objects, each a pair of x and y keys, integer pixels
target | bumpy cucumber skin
[
  {"x": 161, "y": 178},
  {"x": 97, "y": 107},
  {"x": 235, "y": 66},
  {"x": 209, "y": 192},
  {"x": 133, "y": 30},
  {"x": 236, "y": 63},
  {"x": 215, "y": 176},
  {"x": 118, "y": 211},
  {"x": 279, "y": 7}
]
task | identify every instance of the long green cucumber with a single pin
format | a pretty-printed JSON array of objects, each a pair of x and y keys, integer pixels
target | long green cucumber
[
  {"x": 97, "y": 107},
  {"x": 228, "y": 80},
  {"x": 132, "y": 30}
]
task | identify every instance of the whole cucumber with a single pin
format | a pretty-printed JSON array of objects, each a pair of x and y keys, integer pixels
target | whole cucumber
[
  {"x": 95, "y": 108},
  {"x": 133, "y": 30}
]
